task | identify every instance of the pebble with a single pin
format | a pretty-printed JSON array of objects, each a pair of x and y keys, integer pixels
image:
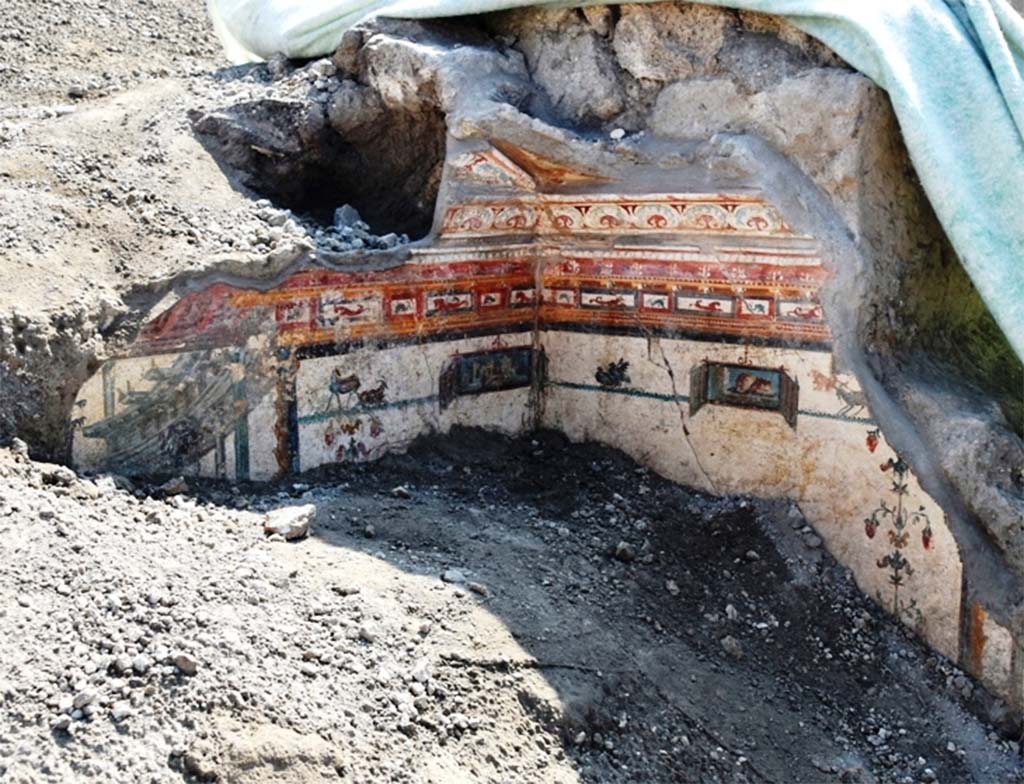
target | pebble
[
  {"x": 812, "y": 540},
  {"x": 176, "y": 486},
  {"x": 186, "y": 664},
  {"x": 453, "y": 576},
  {"x": 368, "y": 633},
  {"x": 421, "y": 670},
  {"x": 625, "y": 552},
  {"x": 732, "y": 646},
  {"x": 121, "y": 710},
  {"x": 478, "y": 588}
]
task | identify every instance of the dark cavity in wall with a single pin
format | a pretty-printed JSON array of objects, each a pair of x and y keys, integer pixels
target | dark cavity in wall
[{"x": 312, "y": 159}]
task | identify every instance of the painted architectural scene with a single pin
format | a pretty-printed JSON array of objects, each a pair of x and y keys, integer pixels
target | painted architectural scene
[{"x": 684, "y": 328}]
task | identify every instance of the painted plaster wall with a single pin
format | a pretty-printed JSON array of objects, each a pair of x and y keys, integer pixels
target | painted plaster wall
[
  {"x": 113, "y": 431},
  {"x": 823, "y": 463},
  {"x": 685, "y": 329},
  {"x": 341, "y": 428}
]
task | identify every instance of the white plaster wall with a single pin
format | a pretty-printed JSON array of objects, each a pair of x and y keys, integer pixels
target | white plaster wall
[
  {"x": 411, "y": 373},
  {"x": 997, "y": 658},
  {"x": 262, "y": 438},
  {"x": 824, "y": 464}
]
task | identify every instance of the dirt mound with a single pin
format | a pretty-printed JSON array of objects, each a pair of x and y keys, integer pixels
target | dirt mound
[{"x": 479, "y": 609}]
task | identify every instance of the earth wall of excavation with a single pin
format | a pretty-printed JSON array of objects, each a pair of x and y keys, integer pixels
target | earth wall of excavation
[{"x": 670, "y": 309}]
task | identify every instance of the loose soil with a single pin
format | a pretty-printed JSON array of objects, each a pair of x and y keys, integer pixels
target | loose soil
[{"x": 478, "y": 609}]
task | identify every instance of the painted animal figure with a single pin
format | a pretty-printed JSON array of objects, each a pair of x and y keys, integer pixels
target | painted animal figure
[
  {"x": 610, "y": 302},
  {"x": 370, "y": 397},
  {"x": 823, "y": 382},
  {"x": 807, "y": 313},
  {"x": 751, "y": 384},
  {"x": 613, "y": 375},
  {"x": 853, "y": 399},
  {"x": 446, "y": 304},
  {"x": 344, "y": 310},
  {"x": 341, "y": 386},
  {"x": 710, "y": 307}
]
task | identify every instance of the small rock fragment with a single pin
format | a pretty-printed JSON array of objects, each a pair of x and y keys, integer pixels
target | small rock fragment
[
  {"x": 175, "y": 486},
  {"x": 367, "y": 633},
  {"x": 625, "y": 552},
  {"x": 732, "y": 646},
  {"x": 186, "y": 664},
  {"x": 421, "y": 671},
  {"x": 453, "y": 576},
  {"x": 478, "y": 588},
  {"x": 58, "y": 475},
  {"x": 290, "y": 522},
  {"x": 346, "y": 215}
]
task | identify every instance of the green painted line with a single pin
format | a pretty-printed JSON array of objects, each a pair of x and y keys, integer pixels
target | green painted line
[
  {"x": 686, "y": 399},
  {"x": 323, "y": 416},
  {"x": 621, "y": 391},
  {"x": 242, "y": 434},
  {"x": 837, "y": 417},
  {"x": 626, "y": 391}
]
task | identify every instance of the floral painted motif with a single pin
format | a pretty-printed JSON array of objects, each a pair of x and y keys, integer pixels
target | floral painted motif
[{"x": 900, "y": 522}]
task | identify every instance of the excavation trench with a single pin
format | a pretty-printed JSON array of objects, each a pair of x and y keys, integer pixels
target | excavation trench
[
  {"x": 704, "y": 332},
  {"x": 618, "y": 613}
]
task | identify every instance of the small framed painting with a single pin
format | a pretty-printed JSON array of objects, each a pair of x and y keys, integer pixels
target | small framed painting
[{"x": 744, "y": 386}]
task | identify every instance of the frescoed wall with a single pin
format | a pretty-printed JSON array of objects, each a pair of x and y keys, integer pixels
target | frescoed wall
[{"x": 686, "y": 329}]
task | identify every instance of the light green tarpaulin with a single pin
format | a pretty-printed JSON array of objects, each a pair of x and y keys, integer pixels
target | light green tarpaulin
[{"x": 954, "y": 70}]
